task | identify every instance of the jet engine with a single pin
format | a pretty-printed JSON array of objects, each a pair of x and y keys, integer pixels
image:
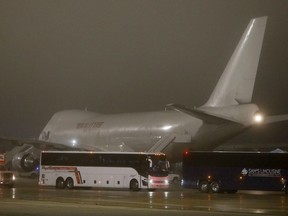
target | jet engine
[{"x": 26, "y": 160}]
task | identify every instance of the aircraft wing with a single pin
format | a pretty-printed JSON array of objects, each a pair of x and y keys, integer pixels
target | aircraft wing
[{"x": 42, "y": 145}]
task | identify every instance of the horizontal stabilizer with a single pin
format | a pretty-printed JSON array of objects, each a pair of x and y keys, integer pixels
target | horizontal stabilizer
[
  {"x": 275, "y": 118},
  {"x": 208, "y": 118}
]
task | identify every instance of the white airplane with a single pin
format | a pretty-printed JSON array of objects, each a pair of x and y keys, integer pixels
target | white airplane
[{"x": 227, "y": 112}]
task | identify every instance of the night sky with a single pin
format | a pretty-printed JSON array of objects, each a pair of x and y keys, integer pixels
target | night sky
[{"x": 128, "y": 56}]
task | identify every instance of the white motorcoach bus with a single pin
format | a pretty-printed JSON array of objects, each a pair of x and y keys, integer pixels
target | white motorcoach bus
[{"x": 133, "y": 170}]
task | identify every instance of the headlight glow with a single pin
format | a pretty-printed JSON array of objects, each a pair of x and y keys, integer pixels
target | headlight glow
[{"x": 258, "y": 118}]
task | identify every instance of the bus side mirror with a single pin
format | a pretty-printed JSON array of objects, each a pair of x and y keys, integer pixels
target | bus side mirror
[{"x": 150, "y": 163}]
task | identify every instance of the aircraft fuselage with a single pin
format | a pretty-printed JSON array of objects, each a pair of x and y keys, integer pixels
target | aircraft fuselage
[{"x": 129, "y": 132}]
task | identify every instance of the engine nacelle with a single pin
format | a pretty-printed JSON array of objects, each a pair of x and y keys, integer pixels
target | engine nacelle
[{"x": 26, "y": 160}]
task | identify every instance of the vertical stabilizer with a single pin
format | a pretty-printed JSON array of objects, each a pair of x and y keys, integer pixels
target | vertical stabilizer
[{"x": 237, "y": 81}]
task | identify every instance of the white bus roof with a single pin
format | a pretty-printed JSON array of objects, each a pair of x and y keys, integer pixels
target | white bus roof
[{"x": 94, "y": 152}]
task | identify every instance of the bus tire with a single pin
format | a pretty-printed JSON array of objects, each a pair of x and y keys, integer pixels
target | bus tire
[
  {"x": 69, "y": 183},
  {"x": 60, "y": 183},
  {"x": 215, "y": 187},
  {"x": 204, "y": 186},
  {"x": 134, "y": 185}
]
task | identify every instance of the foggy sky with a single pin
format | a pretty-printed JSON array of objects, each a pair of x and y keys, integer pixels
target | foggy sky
[{"x": 128, "y": 56}]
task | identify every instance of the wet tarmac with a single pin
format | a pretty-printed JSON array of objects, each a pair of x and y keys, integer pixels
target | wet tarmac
[{"x": 27, "y": 198}]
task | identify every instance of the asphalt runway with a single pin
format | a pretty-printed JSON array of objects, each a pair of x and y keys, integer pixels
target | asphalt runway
[{"x": 27, "y": 198}]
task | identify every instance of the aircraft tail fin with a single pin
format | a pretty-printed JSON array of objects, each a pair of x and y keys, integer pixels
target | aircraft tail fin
[{"x": 237, "y": 81}]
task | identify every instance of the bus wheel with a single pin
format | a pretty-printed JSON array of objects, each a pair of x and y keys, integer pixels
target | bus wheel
[
  {"x": 215, "y": 187},
  {"x": 204, "y": 186},
  {"x": 134, "y": 185},
  {"x": 60, "y": 183},
  {"x": 69, "y": 183}
]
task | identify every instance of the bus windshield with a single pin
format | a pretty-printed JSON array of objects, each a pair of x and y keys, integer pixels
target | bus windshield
[{"x": 158, "y": 166}]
